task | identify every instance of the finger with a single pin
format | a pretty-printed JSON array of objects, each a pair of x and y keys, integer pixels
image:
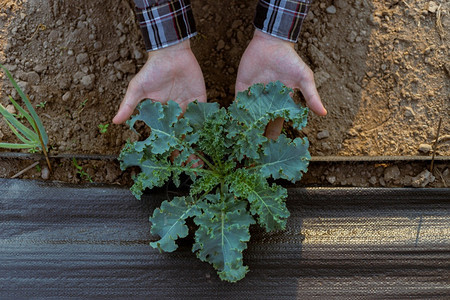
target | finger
[
  {"x": 124, "y": 113},
  {"x": 315, "y": 104},
  {"x": 129, "y": 103},
  {"x": 273, "y": 129},
  {"x": 198, "y": 164},
  {"x": 309, "y": 91}
]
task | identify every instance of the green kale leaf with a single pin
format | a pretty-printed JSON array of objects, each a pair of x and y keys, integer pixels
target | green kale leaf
[
  {"x": 223, "y": 234},
  {"x": 169, "y": 222},
  {"x": 284, "y": 158}
]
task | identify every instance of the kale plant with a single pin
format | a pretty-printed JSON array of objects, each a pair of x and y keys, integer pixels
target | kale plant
[{"x": 230, "y": 191}]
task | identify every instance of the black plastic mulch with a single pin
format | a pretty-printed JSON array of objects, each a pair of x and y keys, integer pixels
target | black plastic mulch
[{"x": 64, "y": 241}]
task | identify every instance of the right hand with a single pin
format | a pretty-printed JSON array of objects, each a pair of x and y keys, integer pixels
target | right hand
[{"x": 171, "y": 73}]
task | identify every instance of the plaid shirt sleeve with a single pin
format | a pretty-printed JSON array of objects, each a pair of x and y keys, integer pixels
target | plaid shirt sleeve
[
  {"x": 165, "y": 22},
  {"x": 281, "y": 18}
]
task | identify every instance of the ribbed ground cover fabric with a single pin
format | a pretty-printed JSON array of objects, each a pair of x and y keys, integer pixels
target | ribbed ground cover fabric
[{"x": 59, "y": 241}]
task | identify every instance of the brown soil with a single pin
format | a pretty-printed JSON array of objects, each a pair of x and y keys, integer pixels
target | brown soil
[{"x": 382, "y": 68}]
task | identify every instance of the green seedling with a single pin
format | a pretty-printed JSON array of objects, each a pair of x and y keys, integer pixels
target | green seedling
[
  {"x": 33, "y": 150},
  {"x": 229, "y": 160},
  {"x": 42, "y": 104},
  {"x": 19, "y": 116},
  {"x": 34, "y": 138},
  {"x": 103, "y": 128},
  {"x": 82, "y": 106},
  {"x": 83, "y": 174}
]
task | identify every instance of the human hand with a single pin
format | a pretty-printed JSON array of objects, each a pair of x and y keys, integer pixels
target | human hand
[
  {"x": 172, "y": 73},
  {"x": 267, "y": 59}
]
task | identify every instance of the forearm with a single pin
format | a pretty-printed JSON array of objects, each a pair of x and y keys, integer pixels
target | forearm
[
  {"x": 282, "y": 19},
  {"x": 271, "y": 39},
  {"x": 165, "y": 23},
  {"x": 163, "y": 52}
]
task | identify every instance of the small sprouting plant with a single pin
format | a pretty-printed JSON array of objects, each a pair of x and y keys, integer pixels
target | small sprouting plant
[
  {"x": 103, "y": 128},
  {"x": 82, "y": 173},
  {"x": 19, "y": 116},
  {"x": 33, "y": 150},
  {"x": 41, "y": 104},
  {"x": 32, "y": 137},
  {"x": 230, "y": 191},
  {"x": 82, "y": 105}
]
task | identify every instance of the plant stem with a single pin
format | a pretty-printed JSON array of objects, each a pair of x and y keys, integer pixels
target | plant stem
[
  {"x": 203, "y": 195},
  {"x": 44, "y": 148},
  {"x": 206, "y": 162},
  {"x": 222, "y": 187}
]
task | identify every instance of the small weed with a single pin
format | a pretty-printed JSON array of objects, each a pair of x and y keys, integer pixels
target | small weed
[
  {"x": 19, "y": 116},
  {"x": 81, "y": 172},
  {"x": 39, "y": 168},
  {"x": 103, "y": 128},
  {"x": 82, "y": 105},
  {"x": 42, "y": 104},
  {"x": 33, "y": 150},
  {"x": 80, "y": 108}
]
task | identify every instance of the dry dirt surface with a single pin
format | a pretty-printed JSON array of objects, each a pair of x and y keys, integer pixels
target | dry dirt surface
[{"x": 381, "y": 66}]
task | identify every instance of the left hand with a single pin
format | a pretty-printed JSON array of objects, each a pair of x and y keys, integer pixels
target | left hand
[{"x": 267, "y": 59}]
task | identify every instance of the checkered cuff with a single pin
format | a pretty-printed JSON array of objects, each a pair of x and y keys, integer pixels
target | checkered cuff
[
  {"x": 165, "y": 24},
  {"x": 281, "y": 18}
]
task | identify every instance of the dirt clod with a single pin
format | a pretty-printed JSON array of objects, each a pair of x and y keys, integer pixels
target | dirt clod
[
  {"x": 331, "y": 9},
  {"x": 82, "y": 58},
  {"x": 126, "y": 67},
  {"x": 391, "y": 173},
  {"x": 425, "y": 148},
  {"x": 45, "y": 173},
  {"x": 88, "y": 81},
  {"x": 323, "y": 134},
  {"x": 423, "y": 179},
  {"x": 11, "y": 109}
]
